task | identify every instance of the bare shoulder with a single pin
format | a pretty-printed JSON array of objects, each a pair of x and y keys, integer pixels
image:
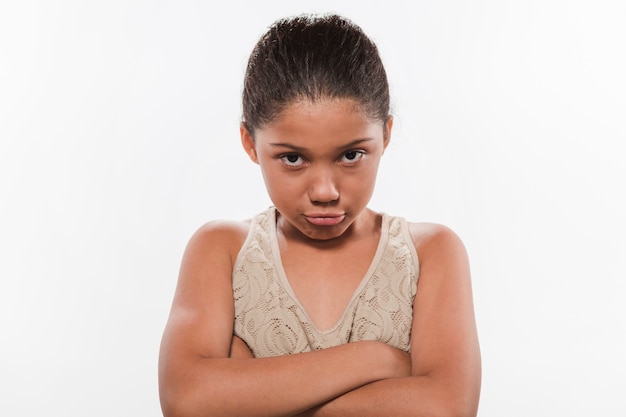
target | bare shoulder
[
  {"x": 211, "y": 252},
  {"x": 433, "y": 240},
  {"x": 224, "y": 234}
]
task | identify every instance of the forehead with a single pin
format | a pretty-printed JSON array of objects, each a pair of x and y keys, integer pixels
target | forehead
[{"x": 327, "y": 121}]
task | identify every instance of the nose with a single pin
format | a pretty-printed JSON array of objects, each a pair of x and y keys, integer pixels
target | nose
[{"x": 323, "y": 187}]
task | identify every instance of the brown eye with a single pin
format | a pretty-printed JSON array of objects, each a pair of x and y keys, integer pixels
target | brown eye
[
  {"x": 352, "y": 156},
  {"x": 292, "y": 159}
]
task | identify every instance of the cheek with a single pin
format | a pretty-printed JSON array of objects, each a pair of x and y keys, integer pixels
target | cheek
[
  {"x": 364, "y": 184},
  {"x": 277, "y": 183}
]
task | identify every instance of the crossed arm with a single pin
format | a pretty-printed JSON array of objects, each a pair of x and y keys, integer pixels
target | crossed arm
[{"x": 204, "y": 371}]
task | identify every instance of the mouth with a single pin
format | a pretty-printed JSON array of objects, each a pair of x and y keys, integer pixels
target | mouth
[{"x": 325, "y": 219}]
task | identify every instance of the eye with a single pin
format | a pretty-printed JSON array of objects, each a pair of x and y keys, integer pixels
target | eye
[
  {"x": 352, "y": 156},
  {"x": 292, "y": 159}
]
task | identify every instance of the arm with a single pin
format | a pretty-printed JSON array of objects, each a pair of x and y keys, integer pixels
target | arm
[
  {"x": 446, "y": 371},
  {"x": 197, "y": 376}
]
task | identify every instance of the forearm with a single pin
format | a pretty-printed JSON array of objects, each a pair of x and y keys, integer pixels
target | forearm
[
  {"x": 277, "y": 386},
  {"x": 416, "y": 396}
]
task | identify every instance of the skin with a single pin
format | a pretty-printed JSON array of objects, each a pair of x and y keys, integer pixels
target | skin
[{"x": 319, "y": 161}]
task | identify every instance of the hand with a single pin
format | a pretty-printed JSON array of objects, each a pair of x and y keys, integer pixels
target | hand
[{"x": 239, "y": 349}]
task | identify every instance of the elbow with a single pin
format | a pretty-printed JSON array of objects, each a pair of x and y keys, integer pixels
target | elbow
[
  {"x": 175, "y": 405},
  {"x": 188, "y": 404},
  {"x": 170, "y": 407},
  {"x": 440, "y": 406},
  {"x": 453, "y": 410},
  {"x": 461, "y": 412},
  {"x": 169, "y": 411},
  {"x": 455, "y": 403},
  {"x": 176, "y": 409},
  {"x": 459, "y": 407},
  {"x": 460, "y": 397}
]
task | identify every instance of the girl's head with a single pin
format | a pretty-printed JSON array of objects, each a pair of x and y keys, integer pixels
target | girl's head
[
  {"x": 316, "y": 120},
  {"x": 311, "y": 58}
]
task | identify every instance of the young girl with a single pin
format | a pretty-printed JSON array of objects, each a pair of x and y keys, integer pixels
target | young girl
[{"x": 320, "y": 306}]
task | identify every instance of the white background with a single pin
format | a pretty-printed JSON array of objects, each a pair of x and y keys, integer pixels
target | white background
[{"x": 119, "y": 137}]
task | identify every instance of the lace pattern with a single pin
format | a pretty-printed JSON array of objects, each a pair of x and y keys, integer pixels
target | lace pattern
[{"x": 270, "y": 319}]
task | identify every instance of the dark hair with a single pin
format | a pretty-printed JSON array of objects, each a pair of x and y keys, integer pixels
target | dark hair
[{"x": 313, "y": 57}]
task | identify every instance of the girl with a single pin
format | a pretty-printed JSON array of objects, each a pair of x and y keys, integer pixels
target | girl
[{"x": 320, "y": 306}]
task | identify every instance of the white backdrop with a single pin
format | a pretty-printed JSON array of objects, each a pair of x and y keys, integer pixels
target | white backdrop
[{"x": 119, "y": 137}]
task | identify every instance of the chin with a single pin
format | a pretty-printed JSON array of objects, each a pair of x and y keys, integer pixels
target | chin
[
  {"x": 326, "y": 233},
  {"x": 302, "y": 227}
]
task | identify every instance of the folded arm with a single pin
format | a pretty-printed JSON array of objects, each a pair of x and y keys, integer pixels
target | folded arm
[
  {"x": 446, "y": 370},
  {"x": 201, "y": 372}
]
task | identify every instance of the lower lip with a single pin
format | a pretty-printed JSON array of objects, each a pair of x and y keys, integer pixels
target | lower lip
[{"x": 326, "y": 221}]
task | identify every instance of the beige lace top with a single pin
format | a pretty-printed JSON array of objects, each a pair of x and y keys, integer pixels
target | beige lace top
[{"x": 271, "y": 320}]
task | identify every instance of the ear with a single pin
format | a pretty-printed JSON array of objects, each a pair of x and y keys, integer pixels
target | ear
[
  {"x": 247, "y": 141},
  {"x": 387, "y": 132}
]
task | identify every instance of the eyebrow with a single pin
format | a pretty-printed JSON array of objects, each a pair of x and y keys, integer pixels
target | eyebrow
[{"x": 301, "y": 149}]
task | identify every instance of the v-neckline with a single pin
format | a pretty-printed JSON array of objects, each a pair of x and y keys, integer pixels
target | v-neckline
[{"x": 282, "y": 276}]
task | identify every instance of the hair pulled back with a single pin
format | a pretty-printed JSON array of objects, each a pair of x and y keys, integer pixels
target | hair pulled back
[{"x": 313, "y": 57}]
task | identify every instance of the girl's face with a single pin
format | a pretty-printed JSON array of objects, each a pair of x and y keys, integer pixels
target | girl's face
[{"x": 319, "y": 161}]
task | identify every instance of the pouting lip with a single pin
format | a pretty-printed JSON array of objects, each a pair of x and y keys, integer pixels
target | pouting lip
[
  {"x": 325, "y": 219},
  {"x": 323, "y": 215}
]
